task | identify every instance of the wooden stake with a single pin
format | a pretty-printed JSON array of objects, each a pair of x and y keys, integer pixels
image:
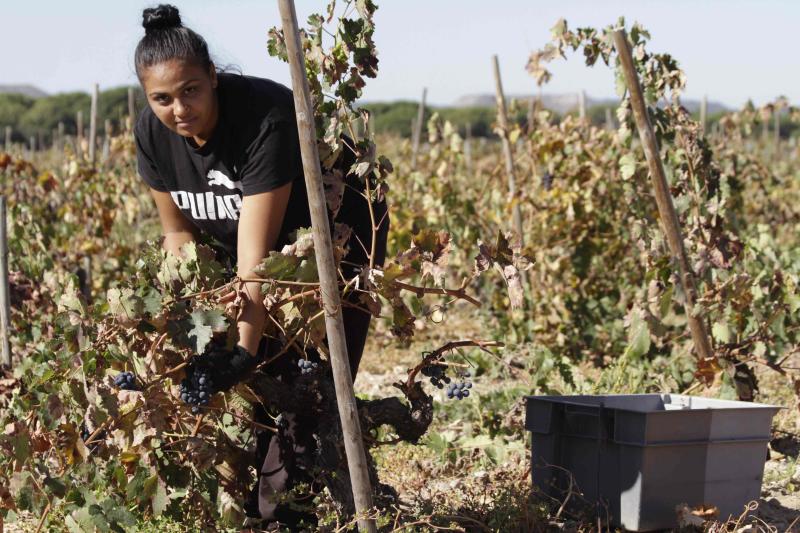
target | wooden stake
[
  {"x": 79, "y": 133},
  {"x": 416, "y": 139},
  {"x": 5, "y": 304},
  {"x": 666, "y": 209},
  {"x": 703, "y": 113},
  {"x": 502, "y": 120},
  {"x": 61, "y": 136},
  {"x": 107, "y": 131},
  {"x": 582, "y": 106},
  {"x": 610, "y": 125},
  {"x": 777, "y": 131},
  {"x": 8, "y": 139},
  {"x": 93, "y": 124},
  {"x": 468, "y": 150},
  {"x": 331, "y": 299},
  {"x": 131, "y": 104},
  {"x": 531, "y": 113}
]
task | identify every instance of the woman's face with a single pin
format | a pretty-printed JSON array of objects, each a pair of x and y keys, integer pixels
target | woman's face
[{"x": 182, "y": 95}]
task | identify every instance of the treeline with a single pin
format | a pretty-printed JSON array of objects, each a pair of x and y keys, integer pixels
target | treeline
[{"x": 39, "y": 117}]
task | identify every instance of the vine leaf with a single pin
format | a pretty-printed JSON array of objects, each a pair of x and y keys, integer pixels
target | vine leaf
[
  {"x": 204, "y": 324},
  {"x": 638, "y": 335}
]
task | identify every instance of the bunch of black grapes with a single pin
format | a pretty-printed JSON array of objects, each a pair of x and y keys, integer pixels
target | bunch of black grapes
[
  {"x": 196, "y": 389},
  {"x": 460, "y": 390},
  {"x": 306, "y": 366},
  {"x": 437, "y": 374},
  {"x": 126, "y": 381},
  {"x": 547, "y": 181}
]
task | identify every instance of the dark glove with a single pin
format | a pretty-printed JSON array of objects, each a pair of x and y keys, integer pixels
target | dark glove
[{"x": 215, "y": 371}]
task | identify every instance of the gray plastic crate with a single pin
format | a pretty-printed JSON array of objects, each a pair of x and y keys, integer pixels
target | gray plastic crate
[{"x": 641, "y": 455}]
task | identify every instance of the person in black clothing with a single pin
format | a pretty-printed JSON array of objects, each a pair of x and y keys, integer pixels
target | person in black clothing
[{"x": 220, "y": 153}]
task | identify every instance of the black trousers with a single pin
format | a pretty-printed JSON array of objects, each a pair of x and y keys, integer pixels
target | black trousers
[{"x": 280, "y": 470}]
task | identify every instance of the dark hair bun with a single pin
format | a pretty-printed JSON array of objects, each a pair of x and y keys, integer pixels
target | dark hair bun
[{"x": 163, "y": 17}]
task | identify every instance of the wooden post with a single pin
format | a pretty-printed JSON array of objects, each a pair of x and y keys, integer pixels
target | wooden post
[
  {"x": 328, "y": 275},
  {"x": 582, "y": 106},
  {"x": 777, "y": 132},
  {"x": 418, "y": 130},
  {"x": 703, "y": 113},
  {"x": 5, "y": 305},
  {"x": 61, "y": 136},
  {"x": 666, "y": 209},
  {"x": 8, "y": 139},
  {"x": 107, "y": 131},
  {"x": 86, "y": 289},
  {"x": 531, "y": 113},
  {"x": 131, "y": 104},
  {"x": 32, "y": 146},
  {"x": 610, "y": 125},
  {"x": 93, "y": 124},
  {"x": 468, "y": 150},
  {"x": 502, "y": 121},
  {"x": 79, "y": 133}
]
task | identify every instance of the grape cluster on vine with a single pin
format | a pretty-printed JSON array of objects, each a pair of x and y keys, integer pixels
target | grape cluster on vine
[
  {"x": 436, "y": 373},
  {"x": 460, "y": 389},
  {"x": 547, "y": 181},
  {"x": 126, "y": 381},
  {"x": 306, "y": 366},
  {"x": 196, "y": 390}
]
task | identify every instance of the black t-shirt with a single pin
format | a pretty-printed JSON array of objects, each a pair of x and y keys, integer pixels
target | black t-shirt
[{"x": 254, "y": 148}]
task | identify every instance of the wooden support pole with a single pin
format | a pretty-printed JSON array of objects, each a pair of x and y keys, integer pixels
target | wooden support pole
[
  {"x": 32, "y": 146},
  {"x": 5, "y": 303},
  {"x": 328, "y": 275},
  {"x": 8, "y": 139},
  {"x": 131, "y": 104},
  {"x": 703, "y": 113},
  {"x": 93, "y": 125},
  {"x": 107, "y": 131},
  {"x": 417, "y": 135},
  {"x": 777, "y": 132},
  {"x": 610, "y": 125},
  {"x": 531, "y": 113},
  {"x": 79, "y": 133},
  {"x": 468, "y": 149},
  {"x": 60, "y": 146},
  {"x": 666, "y": 209},
  {"x": 502, "y": 120},
  {"x": 86, "y": 287},
  {"x": 582, "y": 106}
]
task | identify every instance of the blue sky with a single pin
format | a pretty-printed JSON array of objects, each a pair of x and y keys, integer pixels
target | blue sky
[{"x": 731, "y": 50}]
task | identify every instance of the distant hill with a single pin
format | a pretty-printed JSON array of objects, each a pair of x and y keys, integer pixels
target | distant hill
[
  {"x": 564, "y": 103},
  {"x": 27, "y": 90}
]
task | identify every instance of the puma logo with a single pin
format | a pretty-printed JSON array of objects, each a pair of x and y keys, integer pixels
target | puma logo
[{"x": 215, "y": 177}]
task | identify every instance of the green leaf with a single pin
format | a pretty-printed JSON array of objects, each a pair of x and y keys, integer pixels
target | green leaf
[
  {"x": 721, "y": 332},
  {"x": 277, "y": 266},
  {"x": 638, "y": 336},
  {"x": 627, "y": 166},
  {"x": 160, "y": 500},
  {"x": 124, "y": 304},
  {"x": 204, "y": 324}
]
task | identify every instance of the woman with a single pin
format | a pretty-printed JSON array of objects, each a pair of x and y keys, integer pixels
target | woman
[{"x": 221, "y": 155}]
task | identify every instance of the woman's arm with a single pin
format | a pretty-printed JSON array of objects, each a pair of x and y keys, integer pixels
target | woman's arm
[
  {"x": 260, "y": 221},
  {"x": 175, "y": 227}
]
